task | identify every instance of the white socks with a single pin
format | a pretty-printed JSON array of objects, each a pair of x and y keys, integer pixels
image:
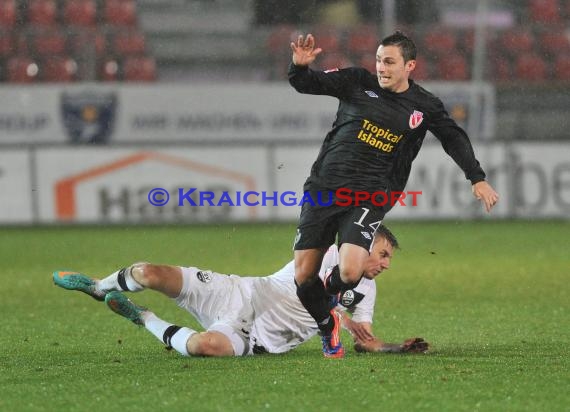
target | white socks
[
  {"x": 121, "y": 280},
  {"x": 172, "y": 335}
]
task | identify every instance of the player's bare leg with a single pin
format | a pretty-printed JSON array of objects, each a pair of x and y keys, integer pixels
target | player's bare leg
[
  {"x": 162, "y": 278},
  {"x": 210, "y": 343},
  {"x": 139, "y": 276},
  {"x": 184, "y": 340}
]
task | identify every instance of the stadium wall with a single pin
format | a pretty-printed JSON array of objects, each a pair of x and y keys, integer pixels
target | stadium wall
[
  {"x": 129, "y": 113},
  {"x": 227, "y": 141},
  {"x": 114, "y": 184}
]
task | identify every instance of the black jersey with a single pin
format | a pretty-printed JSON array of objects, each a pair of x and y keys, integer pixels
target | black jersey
[{"x": 377, "y": 133}]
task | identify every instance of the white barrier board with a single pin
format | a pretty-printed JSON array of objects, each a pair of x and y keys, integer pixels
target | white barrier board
[{"x": 15, "y": 187}]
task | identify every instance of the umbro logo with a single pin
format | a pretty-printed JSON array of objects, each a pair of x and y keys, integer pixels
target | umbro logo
[
  {"x": 371, "y": 93},
  {"x": 366, "y": 235}
]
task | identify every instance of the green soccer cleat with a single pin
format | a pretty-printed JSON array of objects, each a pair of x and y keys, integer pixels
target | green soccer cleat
[
  {"x": 77, "y": 281},
  {"x": 125, "y": 307}
]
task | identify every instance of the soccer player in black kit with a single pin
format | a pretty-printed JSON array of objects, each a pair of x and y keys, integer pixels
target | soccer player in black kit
[{"x": 380, "y": 125}]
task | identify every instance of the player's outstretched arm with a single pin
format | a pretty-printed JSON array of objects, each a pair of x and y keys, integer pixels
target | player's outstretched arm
[
  {"x": 412, "y": 345},
  {"x": 484, "y": 192},
  {"x": 304, "y": 51},
  {"x": 365, "y": 341}
]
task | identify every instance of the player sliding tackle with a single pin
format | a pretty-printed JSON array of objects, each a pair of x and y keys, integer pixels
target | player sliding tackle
[{"x": 243, "y": 315}]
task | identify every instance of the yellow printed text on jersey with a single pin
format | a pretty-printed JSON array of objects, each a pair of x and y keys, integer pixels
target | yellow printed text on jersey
[{"x": 378, "y": 137}]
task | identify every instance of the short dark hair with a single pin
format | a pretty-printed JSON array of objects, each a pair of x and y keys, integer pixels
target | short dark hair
[
  {"x": 384, "y": 232},
  {"x": 405, "y": 44}
]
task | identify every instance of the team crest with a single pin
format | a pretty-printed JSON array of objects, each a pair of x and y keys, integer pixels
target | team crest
[
  {"x": 204, "y": 276},
  {"x": 88, "y": 117},
  {"x": 351, "y": 298},
  {"x": 416, "y": 118},
  {"x": 347, "y": 298}
]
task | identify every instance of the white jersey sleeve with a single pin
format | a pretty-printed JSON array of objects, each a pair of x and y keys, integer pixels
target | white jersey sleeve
[
  {"x": 281, "y": 322},
  {"x": 364, "y": 310}
]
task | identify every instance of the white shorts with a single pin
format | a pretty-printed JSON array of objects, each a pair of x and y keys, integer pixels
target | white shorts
[{"x": 220, "y": 303}]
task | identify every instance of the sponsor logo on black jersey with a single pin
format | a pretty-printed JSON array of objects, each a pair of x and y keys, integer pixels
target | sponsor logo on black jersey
[
  {"x": 371, "y": 93},
  {"x": 204, "y": 276}
]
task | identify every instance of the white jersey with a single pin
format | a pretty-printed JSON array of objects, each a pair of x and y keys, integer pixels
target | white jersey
[
  {"x": 280, "y": 321},
  {"x": 264, "y": 313}
]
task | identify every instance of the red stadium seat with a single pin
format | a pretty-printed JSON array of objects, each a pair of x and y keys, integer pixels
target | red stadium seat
[
  {"x": 517, "y": 41},
  {"x": 554, "y": 42},
  {"x": 530, "y": 67},
  {"x": 21, "y": 69},
  {"x": 48, "y": 42},
  {"x": 422, "y": 70},
  {"x": 109, "y": 70},
  {"x": 500, "y": 69},
  {"x": 439, "y": 42},
  {"x": 6, "y": 44},
  {"x": 58, "y": 69},
  {"x": 453, "y": 67},
  {"x": 368, "y": 62},
  {"x": 87, "y": 41},
  {"x": 20, "y": 43},
  {"x": 129, "y": 42},
  {"x": 363, "y": 40},
  {"x": 332, "y": 61},
  {"x": 544, "y": 11},
  {"x": 467, "y": 42},
  {"x": 8, "y": 13},
  {"x": 80, "y": 12},
  {"x": 42, "y": 12},
  {"x": 119, "y": 12},
  {"x": 327, "y": 38},
  {"x": 278, "y": 40},
  {"x": 562, "y": 67},
  {"x": 139, "y": 69}
]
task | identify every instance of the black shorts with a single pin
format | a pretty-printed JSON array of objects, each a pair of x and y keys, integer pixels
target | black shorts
[{"x": 319, "y": 225}]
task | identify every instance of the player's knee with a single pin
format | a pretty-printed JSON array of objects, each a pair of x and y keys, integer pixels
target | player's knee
[
  {"x": 303, "y": 276},
  {"x": 305, "y": 273},
  {"x": 146, "y": 274},
  {"x": 209, "y": 344}
]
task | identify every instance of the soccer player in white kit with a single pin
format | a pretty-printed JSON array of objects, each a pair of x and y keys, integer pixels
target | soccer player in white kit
[{"x": 243, "y": 315}]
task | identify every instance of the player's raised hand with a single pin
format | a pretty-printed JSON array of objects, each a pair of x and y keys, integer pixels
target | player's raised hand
[
  {"x": 304, "y": 51},
  {"x": 485, "y": 193}
]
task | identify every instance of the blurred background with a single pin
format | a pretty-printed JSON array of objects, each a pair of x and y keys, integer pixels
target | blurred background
[{"x": 103, "y": 100}]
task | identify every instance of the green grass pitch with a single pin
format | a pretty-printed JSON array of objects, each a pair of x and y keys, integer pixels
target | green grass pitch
[{"x": 491, "y": 297}]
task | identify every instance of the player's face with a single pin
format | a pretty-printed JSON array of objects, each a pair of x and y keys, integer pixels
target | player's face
[
  {"x": 392, "y": 71},
  {"x": 379, "y": 259}
]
